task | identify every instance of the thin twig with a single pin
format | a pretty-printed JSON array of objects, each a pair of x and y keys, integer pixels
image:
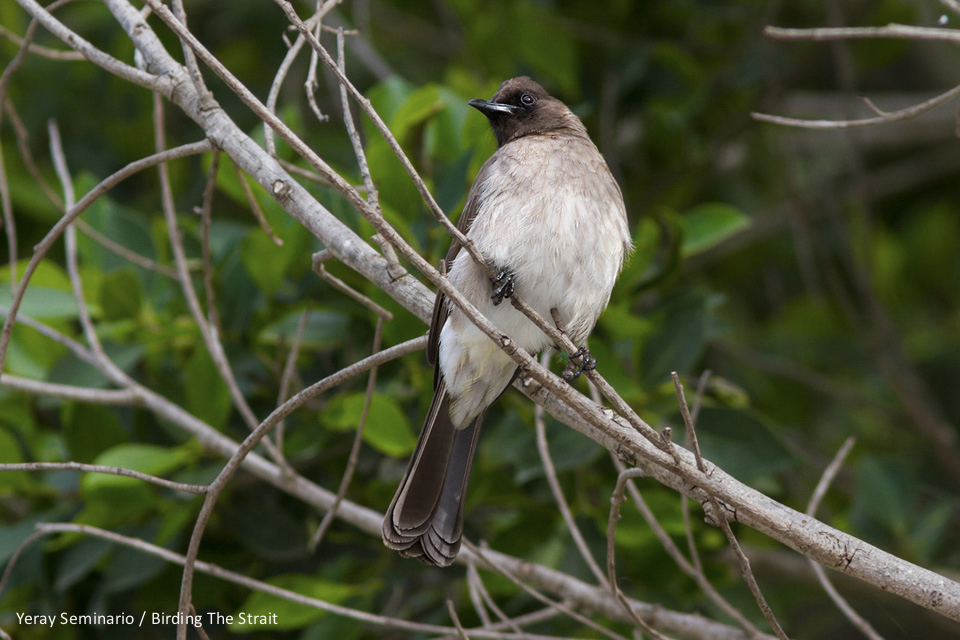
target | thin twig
[
  {"x": 40, "y": 250},
  {"x": 12, "y": 562},
  {"x": 690, "y": 431},
  {"x": 255, "y": 585},
  {"x": 40, "y": 50},
  {"x": 818, "y": 493},
  {"x": 393, "y": 264},
  {"x": 70, "y": 239},
  {"x": 355, "y": 447},
  {"x": 206, "y": 219},
  {"x": 197, "y": 489},
  {"x": 456, "y": 620},
  {"x": 210, "y": 337},
  {"x": 617, "y": 499},
  {"x": 495, "y": 566},
  {"x": 892, "y": 30},
  {"x": 474, "y": 588},
  {"x": 343, "y": 287},
  {"x": 694, "y": 570},
  {"x": 251, "y": 441},
  {"x": 289, "y": 368},
  {"x": 745, "y": 569},
  {"x": 551, "y": 473},
  {"x": 123, "y": 397},
  {"x": 893, "y": 116},
  {"x": 352, "y": 131},
  {"x": 23, "y": 146},
  {"x": 5, "y": 200},
  {"x": 190, "y": 60},
  {"x": 125, "y": 253},
  {"x": 255, "y": 206},
  {"x": 475, "y": 583}
]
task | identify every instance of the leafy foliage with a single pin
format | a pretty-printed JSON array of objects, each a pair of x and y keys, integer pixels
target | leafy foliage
[{"x": 755, "y": 259}]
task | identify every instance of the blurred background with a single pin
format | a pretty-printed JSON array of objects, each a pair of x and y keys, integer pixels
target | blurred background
[{"x": 815, "y": 274}]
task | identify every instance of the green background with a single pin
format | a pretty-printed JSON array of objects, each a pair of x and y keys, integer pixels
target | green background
[{"x": 815, "y": 274}]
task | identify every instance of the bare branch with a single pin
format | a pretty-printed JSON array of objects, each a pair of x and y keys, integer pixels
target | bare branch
[
  {"x": 125, "y": 253},
  {"x": 893, "y": 116},
  {"x": 892, "y": 30},
  {"x": 344, "y": 288},
  {"x": 123, "y": 397},
  {"x": 289, "y": 367},
  {"x": 206, "y": 219},
  {"x": 44, "y": 245},
  {"x": 825, "y": 480},
  {"x": 46, "y": 52},
  {"x": 491, "y": 564},
  {"x": 255, "y": 206},
  {"x": 551, "y": 473},
  {"x": 694, "y": 570},
  {"x": 745, "y": 569},
  {"x": 617, "y": 499},
  {"x": 355, "y": 447},
  {"x": 197, "y": 489},
  {"x": 90, "y": 52}
]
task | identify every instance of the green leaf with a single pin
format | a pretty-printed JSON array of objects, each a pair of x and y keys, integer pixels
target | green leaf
[
  {"x": 708, "y": 224},
  {"x": 677, "y": 339},
  {"x": 931, "y": 528},
  {"x": 43, "y": 303},
  {"x": 267, "y": 611},
  {"x": 885, "y": 493},
  {"x": 207, "y": 395},
  {"x": 90, "y": 429},
  {"x": 543, "y": 45},
  {"x": 146, "y": 458},
  {"x": 267, "y": 263},
  {"x": 646, "y": 241},
  {"x": 79, "y": 560},
  {"x": 120, "y": 295},
  {"x": 743, "y": 444},
  {"x": 130, "y": 568},
  {"x": 420, "y": 106},
  {"x": 264, "y": 261},
  {"x": 10, "y": 454},
  {"x": 387, "y": 429},
  {"x": 47, "y": 274},
  {"x": 324, "y": 328}
]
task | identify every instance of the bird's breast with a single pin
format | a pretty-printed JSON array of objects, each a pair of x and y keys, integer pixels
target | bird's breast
[{"x": 549, "y": 211}]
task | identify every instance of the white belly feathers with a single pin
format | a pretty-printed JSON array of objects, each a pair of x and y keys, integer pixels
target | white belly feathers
[{"x": 564, "y": 254}]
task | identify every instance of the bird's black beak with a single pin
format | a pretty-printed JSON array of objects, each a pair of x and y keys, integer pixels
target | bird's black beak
[{"x": 489, "y": 108}]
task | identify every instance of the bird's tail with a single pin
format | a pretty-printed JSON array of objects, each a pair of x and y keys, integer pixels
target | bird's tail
[{"x": 425, "y": 519}]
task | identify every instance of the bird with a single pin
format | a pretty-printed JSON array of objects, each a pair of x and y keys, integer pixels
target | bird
[{"x": 547, "y": 213}]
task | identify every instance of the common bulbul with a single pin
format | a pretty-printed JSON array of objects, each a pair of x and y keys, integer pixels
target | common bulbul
[{"x": 547, "y": 213}]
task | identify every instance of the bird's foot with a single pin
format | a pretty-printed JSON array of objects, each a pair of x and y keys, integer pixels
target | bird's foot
[
  {"x": 587, "y": 363},
  {"x": 502, "y": 286}
]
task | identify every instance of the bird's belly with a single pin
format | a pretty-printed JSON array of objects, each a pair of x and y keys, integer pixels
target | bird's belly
[{"x": 565, "y": 258}]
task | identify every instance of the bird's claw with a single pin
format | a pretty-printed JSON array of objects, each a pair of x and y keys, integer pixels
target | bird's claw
[
  {"x": 502, "y": 286},
  {"x": 587, "y": 363}
]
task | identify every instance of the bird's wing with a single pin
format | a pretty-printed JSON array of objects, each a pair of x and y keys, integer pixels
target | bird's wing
[{"x": 440, "y": 307}]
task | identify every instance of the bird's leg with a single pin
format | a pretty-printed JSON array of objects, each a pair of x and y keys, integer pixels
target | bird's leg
[
  {"x": 587, "y": 363},
  {"x": 502, "y": 285}
]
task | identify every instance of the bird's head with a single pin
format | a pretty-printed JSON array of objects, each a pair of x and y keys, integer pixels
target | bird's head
[{"x": 521, "y": 107}]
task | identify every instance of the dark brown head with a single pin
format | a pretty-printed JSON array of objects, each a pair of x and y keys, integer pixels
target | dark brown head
[{"x": 521, "y": 107}]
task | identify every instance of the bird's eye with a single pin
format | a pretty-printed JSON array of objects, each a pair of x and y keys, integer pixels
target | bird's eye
[{"x": 527, "y": 99}]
